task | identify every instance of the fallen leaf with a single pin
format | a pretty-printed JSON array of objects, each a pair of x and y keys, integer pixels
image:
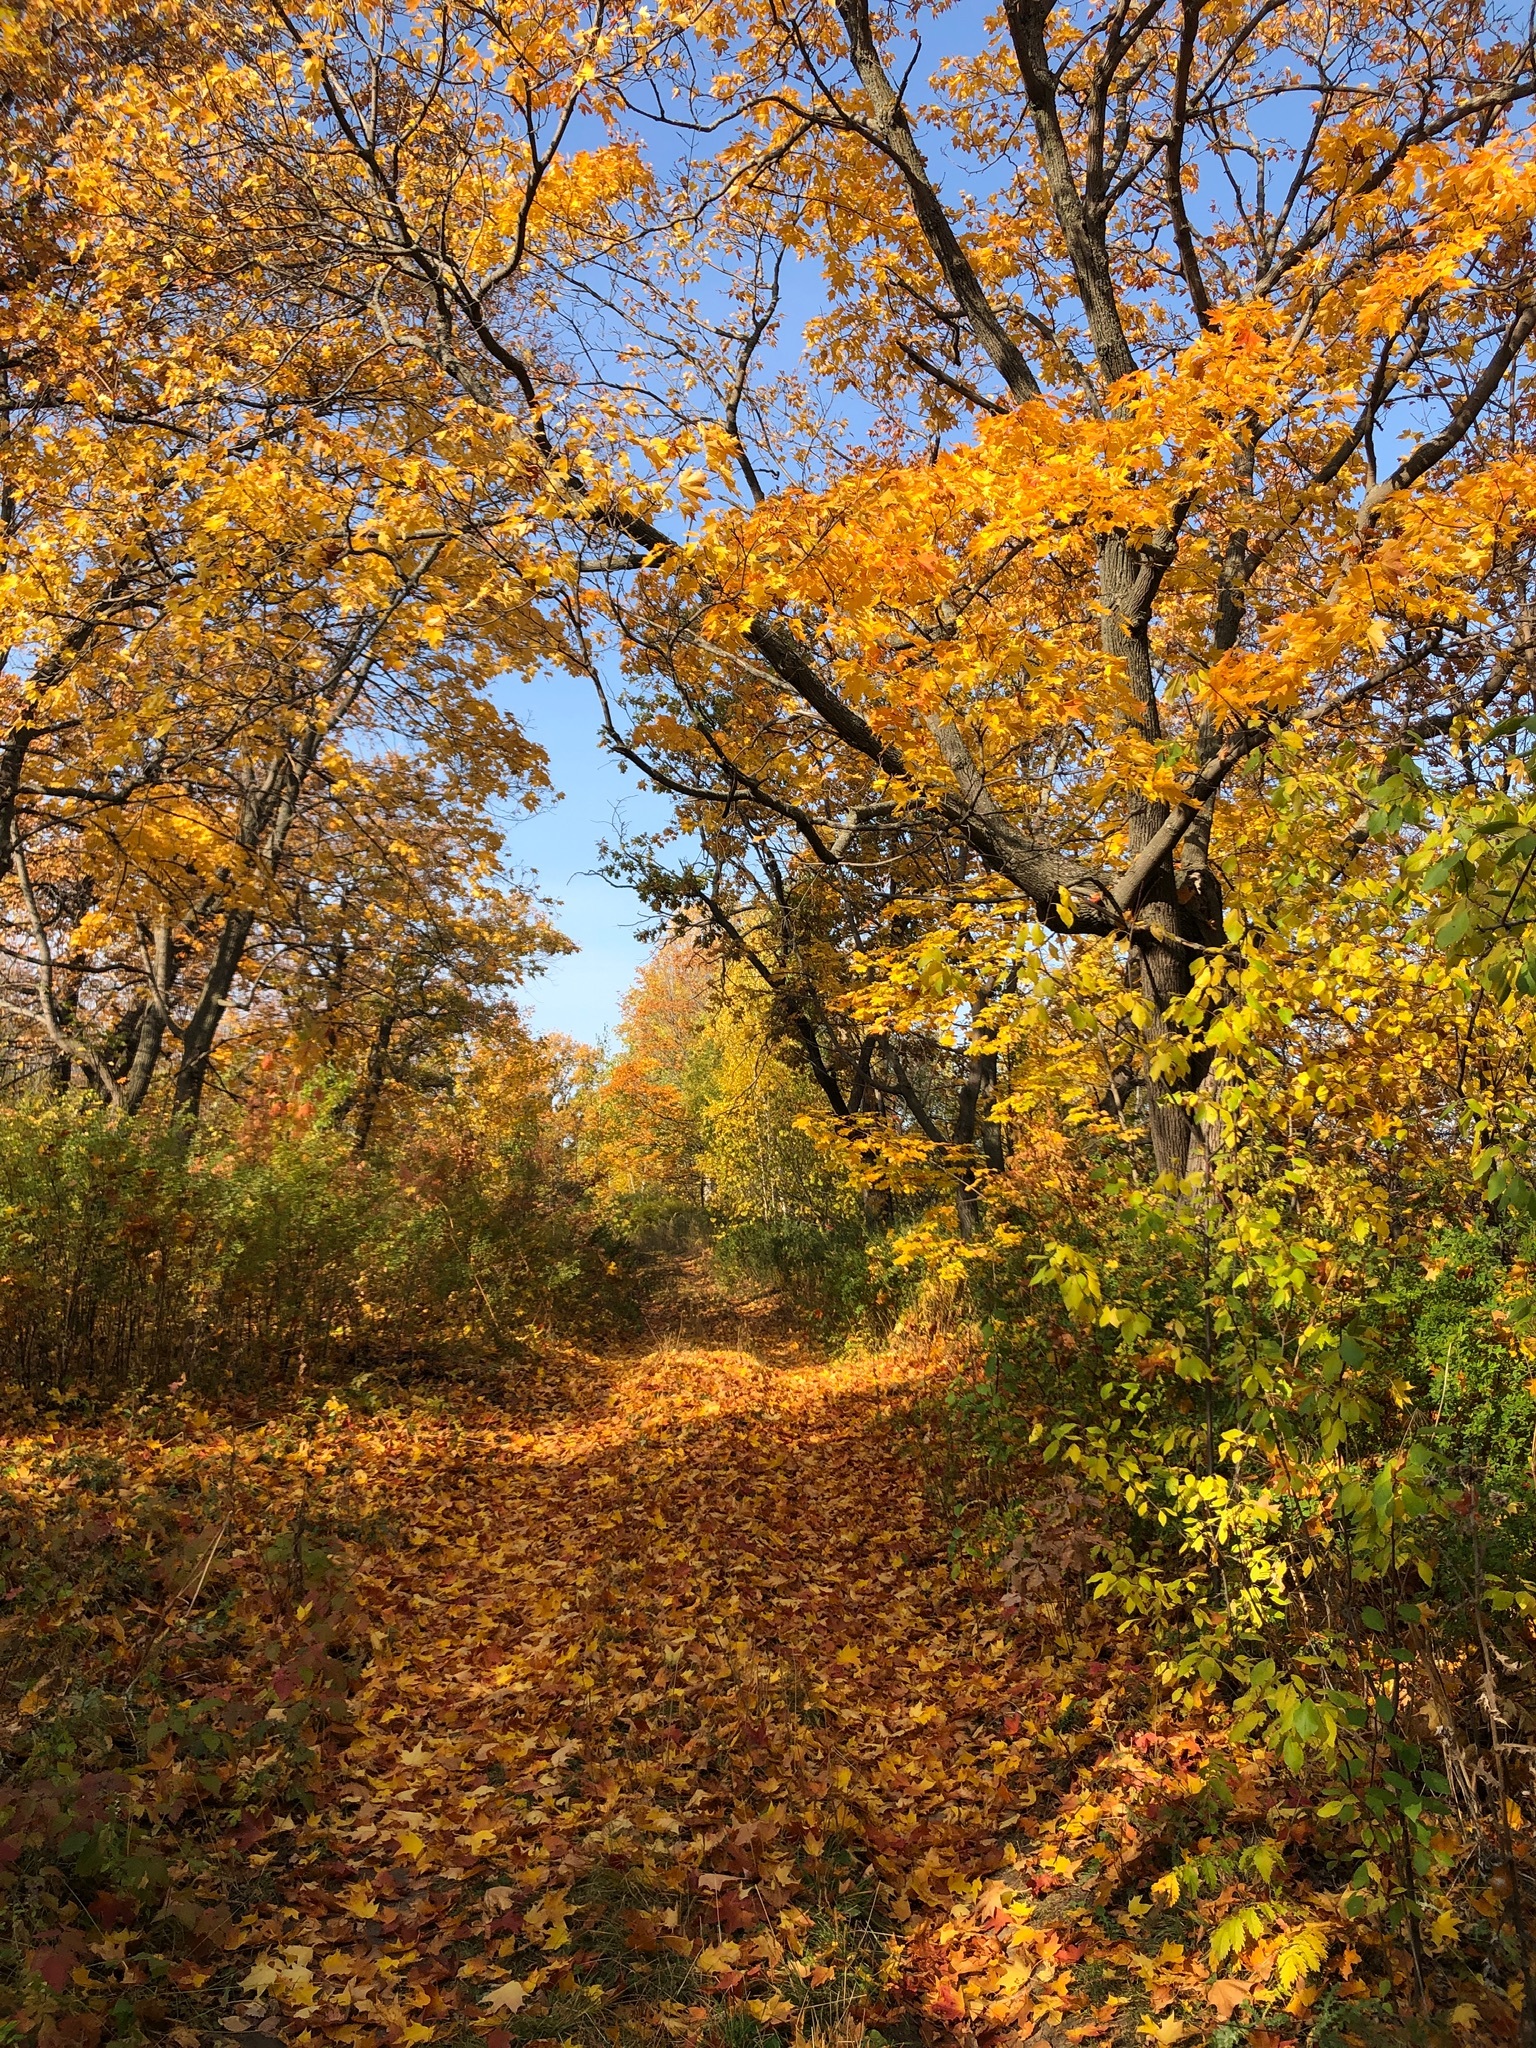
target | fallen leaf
[
  {"x": 1226, "y": 1994},
  {"x": 509, "y": 1997}
]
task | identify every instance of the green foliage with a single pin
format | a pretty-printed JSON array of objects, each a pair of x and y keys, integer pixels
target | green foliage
[
  {"x": 140, "y": 1254},
  {"x": 1294, "y": 1455},
  {"x": 1458, "y": 1315},
  {"x": 761, "y": 1164},
  {"x": 833, "y": 1272},
  {"x": 653, "y": 1224}
]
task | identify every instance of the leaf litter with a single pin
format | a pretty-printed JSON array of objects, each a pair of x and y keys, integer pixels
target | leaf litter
[{"x": 656, "y": 1709}]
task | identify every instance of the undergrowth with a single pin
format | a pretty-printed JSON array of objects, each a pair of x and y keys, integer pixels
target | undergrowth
[
  {"x": 1343, "y": 1625},
  {"x": 140, "y": 1254}
]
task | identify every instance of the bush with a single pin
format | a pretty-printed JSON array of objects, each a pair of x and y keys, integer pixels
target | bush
[
  {"x": 833, "y": 1270},
  {"x": 656, "y": 1225},
  {"x": 142, "y": 1255},
  {"x": 1457, "y": 1316}
]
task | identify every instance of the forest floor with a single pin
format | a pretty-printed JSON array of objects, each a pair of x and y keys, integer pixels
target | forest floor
[{"x": 645, "y": 1701}]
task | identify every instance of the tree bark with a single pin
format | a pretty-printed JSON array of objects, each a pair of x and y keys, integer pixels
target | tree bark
[
  {"x": 375, "y": 1073},
  {"x": 203, "y": 1025}
]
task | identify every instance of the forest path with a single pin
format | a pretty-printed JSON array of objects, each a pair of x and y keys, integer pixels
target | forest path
[{"x": 680, "y": 1724}]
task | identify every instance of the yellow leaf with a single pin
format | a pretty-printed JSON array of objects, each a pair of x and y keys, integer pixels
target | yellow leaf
[
  {"x": 508, "y": 1997},
  {"x": 1300, "y": 1954},
  {"x": 714, "y": 1961},
  {"x": 771, "y": 2010}
]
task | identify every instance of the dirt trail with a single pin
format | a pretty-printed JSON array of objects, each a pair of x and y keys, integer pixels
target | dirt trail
[{"x": 678, "y": 1724}]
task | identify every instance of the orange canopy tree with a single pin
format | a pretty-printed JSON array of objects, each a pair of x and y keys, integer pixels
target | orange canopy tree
[
  {"x": 1056, "y": 469},
  {"x": 262, "y": 531},
  {"x": 1181, "y": 492}
]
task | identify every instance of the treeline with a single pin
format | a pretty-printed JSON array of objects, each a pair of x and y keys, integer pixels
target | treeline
[{"x": 262, "y": 1250}]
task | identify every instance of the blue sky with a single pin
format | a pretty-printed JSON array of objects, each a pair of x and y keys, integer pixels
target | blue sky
[{"x": 557, "y": 849}]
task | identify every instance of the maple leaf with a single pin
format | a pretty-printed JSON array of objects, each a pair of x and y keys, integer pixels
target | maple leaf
[
  {"x": 1226, "y": 1994},
  {"x": 946, "y": 2002},
  {"x": 508, "y": 1997},
  {"x": 52, "y": 1965},
  {"x": 724, "y": 1956}
]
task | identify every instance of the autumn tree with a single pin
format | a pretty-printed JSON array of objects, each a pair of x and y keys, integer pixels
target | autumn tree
[
  {"x": 242, "y": 544},
  {"x": 914, "y": 1103},
  {"x": 397, "y": 943},
  {"x": 1194, "y": 475},
  {"x": 640, "y": 1133}
]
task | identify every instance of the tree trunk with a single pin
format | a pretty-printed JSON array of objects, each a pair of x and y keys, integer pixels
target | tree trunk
[
  {"x": 1161, "y": 958},
  {"x": 202, "y": 1027},
  {"x": 972, "y": 1129},
  {"x": 374, "y": 1076}
]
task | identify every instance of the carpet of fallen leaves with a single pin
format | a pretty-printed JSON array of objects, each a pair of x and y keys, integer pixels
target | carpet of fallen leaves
[{"x": 652, "y": 1706}]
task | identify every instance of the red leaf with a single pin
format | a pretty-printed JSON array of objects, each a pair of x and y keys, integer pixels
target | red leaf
[
  {"x": 945, "y": 2002},
  {"x": 52, "y": 1965}
]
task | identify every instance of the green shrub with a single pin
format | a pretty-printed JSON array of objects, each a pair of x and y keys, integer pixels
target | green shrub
[
  {"x": 139, "y": 1255},
  {"x": 654, "y": 1224},
  {"x": 832, "y": 1270},
  {"x": 1452, "y": 1326}
]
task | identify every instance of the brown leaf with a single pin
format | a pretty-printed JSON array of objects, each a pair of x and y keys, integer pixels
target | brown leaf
[{"x": 1226, "y": 1994}]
